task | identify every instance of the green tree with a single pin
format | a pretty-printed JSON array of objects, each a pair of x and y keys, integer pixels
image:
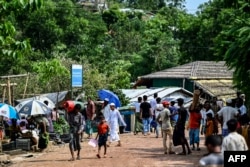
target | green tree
[
  {"x": 147, "y": 4},
  {"x": 12, "y": 50},
  {"x": 233, "y": 43},
  {"x": 198, "y": 35},
  {"x": 52, "y": 75}
]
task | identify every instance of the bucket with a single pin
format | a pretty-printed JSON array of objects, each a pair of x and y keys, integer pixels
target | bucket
[{"x": 70, "y": 105}]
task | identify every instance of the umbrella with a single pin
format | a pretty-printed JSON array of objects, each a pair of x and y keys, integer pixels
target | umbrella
[
  {"x": 8, "y": 111},
  {"x": 43, "y": 98},
  {"x": 32, "y": 107},
  {"x": 113, "y": 98}
]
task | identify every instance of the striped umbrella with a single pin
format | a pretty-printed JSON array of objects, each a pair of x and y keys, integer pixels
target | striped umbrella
[
  {"x": 8, "y": 111},
  {"x": 32, "y": 107}
]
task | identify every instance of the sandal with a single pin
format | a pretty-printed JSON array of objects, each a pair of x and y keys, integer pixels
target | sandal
[
  {"x": 198, "y": 149},
  {"x": 98, "y": 156},
  {"x": 78, "y": 158},
  {"x": 105, "y": 156}
]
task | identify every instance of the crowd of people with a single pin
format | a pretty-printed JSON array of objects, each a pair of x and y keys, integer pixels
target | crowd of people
[
  {"x": 199, "y": 119},
  {"x": 109, "y": 120},
  {"x": 155, "y": 117}
]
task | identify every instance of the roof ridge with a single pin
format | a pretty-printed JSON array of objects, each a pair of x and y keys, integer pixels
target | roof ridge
[{"x": 196, "y": 69}]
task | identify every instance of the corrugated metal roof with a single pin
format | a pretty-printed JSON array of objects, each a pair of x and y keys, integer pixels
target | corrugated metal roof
[
  {"x": 175, "y": 92},
  {"x": 197, "y": 69}
]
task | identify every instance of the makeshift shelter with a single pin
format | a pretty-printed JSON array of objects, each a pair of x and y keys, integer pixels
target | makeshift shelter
[
  {"x": 169, "y": 94},
  {"x": 213, "y": 77},
  {"x": 57, "y": 97}
]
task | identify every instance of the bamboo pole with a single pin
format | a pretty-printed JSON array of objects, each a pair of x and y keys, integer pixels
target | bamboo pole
[
  {"x": 4, "y": 93},
  {"x": 9, "y": 92},
  {"x": 13, "y": 76},
  {"x": 26, "y": 84}
]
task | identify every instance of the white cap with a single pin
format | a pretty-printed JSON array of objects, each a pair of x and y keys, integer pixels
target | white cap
[
  {"x": 106, "y": 99},
  {"x": 229, "y": 101},
  {"x": 112, "y": 104}
]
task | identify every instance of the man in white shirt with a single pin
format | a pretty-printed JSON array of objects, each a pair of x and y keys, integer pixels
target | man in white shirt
[
  {"x": 227, "y": 113},
  {"x": 106, "y": 109},
  {"x": 233, "y": 141},
  {"x": 153, "y": 104}
]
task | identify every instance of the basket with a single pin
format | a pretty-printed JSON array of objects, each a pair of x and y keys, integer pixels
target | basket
[{"x": 23, "y": 144}]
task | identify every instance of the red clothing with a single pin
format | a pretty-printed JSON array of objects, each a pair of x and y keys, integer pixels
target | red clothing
[
  {"x": 194, "y": 120},
  {"x": 102, "y": 128}
]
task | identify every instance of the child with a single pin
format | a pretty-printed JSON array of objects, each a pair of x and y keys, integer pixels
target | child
[
  {"x": 209, "y": 125},
  {"x": 102, "y": 136}
]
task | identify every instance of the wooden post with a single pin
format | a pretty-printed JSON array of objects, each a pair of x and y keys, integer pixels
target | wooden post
[
  {"x": 12, "y": 94},
  {"x": 10, "y": 84}
]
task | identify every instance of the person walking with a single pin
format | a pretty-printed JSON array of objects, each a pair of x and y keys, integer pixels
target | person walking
[
  {"x": 114, "y": 119},
  {"x": 75, "y": 129},
  {"x": 153, "y": 104},
  {"x": 158, "y": 109},
  {"x": 102, "y": 136},
  {"x": 164, "y": 119},
  {"x": 90, "y": 112},
  {"x": 179, "y": 131},
  {"x": 106, "y": 109},
  {"x": 146, "y": 115}
]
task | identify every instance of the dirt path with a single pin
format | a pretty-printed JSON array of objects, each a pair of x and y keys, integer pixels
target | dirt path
[{"x": 136, "y": 151}]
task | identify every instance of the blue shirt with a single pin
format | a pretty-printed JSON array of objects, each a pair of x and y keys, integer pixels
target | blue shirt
[{"x": 173, "y": 110}]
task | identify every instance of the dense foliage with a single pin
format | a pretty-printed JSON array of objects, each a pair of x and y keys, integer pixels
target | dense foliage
[{"x": 115, "y": 46}]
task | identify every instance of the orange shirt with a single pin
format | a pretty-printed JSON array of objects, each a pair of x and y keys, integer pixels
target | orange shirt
[
  {"x": 209, "y": 128},
  {"x": 102, "y": 128}
]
